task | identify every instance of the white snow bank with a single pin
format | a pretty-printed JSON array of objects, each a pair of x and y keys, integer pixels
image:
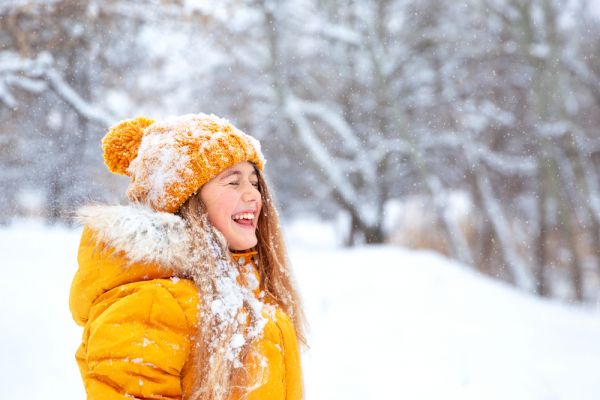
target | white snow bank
[{"x": 400, "y": 324}]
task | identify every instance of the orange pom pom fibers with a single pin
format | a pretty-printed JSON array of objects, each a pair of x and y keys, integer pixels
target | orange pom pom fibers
[{"x": 121, "y": 144}]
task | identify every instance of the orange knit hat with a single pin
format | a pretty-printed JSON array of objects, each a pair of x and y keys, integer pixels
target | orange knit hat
[{"x": 170, "y": 160}]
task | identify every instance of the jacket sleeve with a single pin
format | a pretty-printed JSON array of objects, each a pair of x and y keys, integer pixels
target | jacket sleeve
[{"x": 137, "y": 344}]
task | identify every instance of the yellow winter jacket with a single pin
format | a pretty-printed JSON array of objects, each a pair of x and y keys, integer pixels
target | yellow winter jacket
[{"x": 139, "y": 317}]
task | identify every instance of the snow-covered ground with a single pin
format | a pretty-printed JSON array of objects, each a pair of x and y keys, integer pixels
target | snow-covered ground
[{"x": 385, "y": 322}]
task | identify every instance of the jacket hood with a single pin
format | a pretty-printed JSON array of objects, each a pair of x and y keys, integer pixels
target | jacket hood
[
  {"x": 144, "y": 235},
  {"x": 125, "y": 244}
]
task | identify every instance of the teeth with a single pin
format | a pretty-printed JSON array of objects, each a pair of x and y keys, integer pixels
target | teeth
[{"x": 244, "y": 216}]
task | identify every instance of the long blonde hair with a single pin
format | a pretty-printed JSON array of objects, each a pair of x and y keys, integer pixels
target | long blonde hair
[{"x": 215, "y": 368}]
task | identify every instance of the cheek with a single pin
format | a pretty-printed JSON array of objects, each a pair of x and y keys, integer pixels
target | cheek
[
  {"x": 215, "y": 218},
  {"x": 221, "y": 209}
]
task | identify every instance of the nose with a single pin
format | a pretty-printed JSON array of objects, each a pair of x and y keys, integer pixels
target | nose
[{"x": 251, "y": 193}]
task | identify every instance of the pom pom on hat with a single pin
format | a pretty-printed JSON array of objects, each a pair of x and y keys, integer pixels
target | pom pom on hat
[{"x": 121, "y": 144}]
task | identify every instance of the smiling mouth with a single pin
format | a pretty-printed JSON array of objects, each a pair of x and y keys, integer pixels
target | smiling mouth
[{"x": 245, "y": 220}]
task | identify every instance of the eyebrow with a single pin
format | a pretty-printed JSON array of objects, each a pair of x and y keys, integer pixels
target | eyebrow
[{"x": 236, "y": 172}]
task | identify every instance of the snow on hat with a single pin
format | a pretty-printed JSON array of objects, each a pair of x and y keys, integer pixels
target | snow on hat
[{"x": 170, "y": 160}]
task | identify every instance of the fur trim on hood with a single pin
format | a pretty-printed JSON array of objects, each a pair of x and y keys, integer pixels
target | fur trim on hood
[{"x": 144, "y": 235}]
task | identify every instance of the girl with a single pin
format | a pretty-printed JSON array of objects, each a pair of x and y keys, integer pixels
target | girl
[{"x": 186, "y": 293}]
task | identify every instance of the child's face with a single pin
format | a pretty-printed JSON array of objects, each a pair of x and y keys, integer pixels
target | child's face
[{"x": 233, "y": 193}]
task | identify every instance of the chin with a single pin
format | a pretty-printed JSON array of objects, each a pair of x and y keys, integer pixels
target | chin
[{"x": 244, "y": 245}]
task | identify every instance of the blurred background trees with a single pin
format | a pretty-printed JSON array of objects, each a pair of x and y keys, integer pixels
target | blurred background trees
[{"x": 470, "y": 128}]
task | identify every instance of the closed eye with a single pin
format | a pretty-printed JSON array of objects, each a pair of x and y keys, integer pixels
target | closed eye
[{"x": 255, "y": 184}]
